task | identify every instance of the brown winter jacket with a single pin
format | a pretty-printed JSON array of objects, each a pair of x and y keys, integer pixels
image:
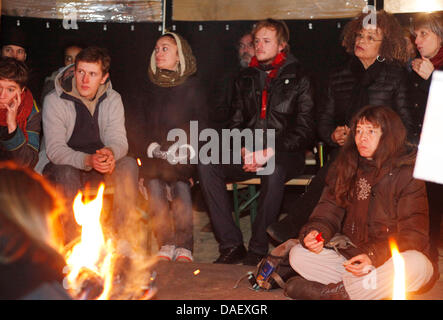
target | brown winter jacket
[{"x": 397, "y": 208}]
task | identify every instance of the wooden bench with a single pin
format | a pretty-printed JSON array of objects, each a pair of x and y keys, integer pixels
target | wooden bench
[{"x": 249, "y": 198}]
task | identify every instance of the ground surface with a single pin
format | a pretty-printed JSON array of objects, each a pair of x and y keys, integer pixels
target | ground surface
[{"x": 176, "y": 281}]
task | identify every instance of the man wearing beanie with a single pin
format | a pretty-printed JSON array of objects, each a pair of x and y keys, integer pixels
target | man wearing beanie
[{"x": 14, "y": 44}]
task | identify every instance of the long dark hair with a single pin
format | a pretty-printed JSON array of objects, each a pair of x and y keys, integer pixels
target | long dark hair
[{"x": 391, "y": 147}]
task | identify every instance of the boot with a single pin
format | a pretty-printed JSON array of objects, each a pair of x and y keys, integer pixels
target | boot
[
  {"x": 290, "y": 226},
  {"x": 301, "y": 289},
  {"x": 299, "y": 210}
]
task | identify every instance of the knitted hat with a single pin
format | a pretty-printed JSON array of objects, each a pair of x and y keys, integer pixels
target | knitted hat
[{"x": 14, "y": 36}]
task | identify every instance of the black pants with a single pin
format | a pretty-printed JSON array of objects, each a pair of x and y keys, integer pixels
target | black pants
[
  {"x": 213, "y": 178},
  {"x": 300, "y": 209}
]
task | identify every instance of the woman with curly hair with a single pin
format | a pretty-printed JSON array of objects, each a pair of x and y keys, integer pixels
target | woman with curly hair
[
  {"x": 370, "y": 198},
  {"x": 374, "y": 75}
]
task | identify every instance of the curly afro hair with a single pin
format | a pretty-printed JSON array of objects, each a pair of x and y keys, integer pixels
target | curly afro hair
[{"x": 393, "y": 46}]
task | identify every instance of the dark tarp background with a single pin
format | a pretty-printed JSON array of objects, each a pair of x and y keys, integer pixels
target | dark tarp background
[{"x": 315, "y": 43}]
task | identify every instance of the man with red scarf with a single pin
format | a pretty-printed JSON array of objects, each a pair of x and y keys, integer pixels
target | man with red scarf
[
  {"x": 20, "y": 119},
  {"x": 273, "y": 93}
]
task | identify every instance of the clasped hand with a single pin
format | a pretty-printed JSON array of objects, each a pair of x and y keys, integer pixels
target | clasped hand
[
  {"x": 102, "y": 160},
  {"x": 254, "y": 161}
]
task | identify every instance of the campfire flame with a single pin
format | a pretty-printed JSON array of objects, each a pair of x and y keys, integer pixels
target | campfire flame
[
  {"x": 101, "y": 268},
  {"x": 399, "y": 286},
  {"x": 91, "y": 253}
]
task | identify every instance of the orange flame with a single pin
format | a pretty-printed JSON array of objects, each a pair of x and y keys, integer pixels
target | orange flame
[
  {"x": 399, "y": 286},
  {"x": 92, "y": 252}
]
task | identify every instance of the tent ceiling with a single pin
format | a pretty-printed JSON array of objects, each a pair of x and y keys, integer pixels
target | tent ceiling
[
  {"x": 402, "y": 6},
  {"x": 203, "y": 10},
  {"x": 183, "y": 10},
  {"x": 87, "y": 10},
  {"x": 213, "y": 10}
]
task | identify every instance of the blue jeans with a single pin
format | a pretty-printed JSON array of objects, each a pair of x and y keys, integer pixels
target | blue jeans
[
  {"x": 69, "y": 180},
  {"x": 171, "y": 218}
]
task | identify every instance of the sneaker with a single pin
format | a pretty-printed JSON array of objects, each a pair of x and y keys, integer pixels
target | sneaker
[
  {"x": 183, "y": 255},
  {"x": 166, "y": 252}
]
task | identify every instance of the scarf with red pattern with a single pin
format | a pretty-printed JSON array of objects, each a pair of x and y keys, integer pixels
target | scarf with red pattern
[
  {"x": 23, "y": 112},
  {"x": 437, "y": 60},
  {"x": 278, "y": 61}
]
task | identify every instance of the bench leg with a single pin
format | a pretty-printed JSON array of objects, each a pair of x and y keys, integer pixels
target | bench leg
[
  {"x": 253, "y": 208},
  {"x": 251, "y": 201},
  {"x": 236, "y": 204}
]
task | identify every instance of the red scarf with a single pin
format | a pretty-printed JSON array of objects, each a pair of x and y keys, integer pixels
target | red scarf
[
  {"x": 278, "y": 61},
  {"x": 437, "y": 60},
  {"x": 23, "y": 112}
]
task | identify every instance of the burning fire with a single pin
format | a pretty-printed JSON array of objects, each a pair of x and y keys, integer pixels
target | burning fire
[
  {"x": 91, "y": 257},
  {"x": 399, "y": 291},
  {"x": 98, "y": 268}
]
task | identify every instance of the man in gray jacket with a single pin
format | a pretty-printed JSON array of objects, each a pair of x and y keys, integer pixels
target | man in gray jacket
[{"x": 85, "y": 136}]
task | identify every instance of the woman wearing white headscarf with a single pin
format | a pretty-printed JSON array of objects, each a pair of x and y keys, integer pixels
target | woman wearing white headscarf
[{"x": 170, "y": 99}]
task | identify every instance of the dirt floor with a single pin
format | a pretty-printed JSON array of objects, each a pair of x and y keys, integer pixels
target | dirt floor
[{"x": 176, "y": 281}]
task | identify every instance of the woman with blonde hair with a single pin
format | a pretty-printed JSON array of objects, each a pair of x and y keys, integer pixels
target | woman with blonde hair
[
  {"x": 427, "y": 29},
  {"x": 30, "y": 265}
]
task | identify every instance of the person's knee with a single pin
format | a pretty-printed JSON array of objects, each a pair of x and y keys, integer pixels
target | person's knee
[
  {"x": 127, "y": 165},
  {"x": 417, "y": 265},
  {"x": 297, "y": 257},
  {"x": 181, "y": 186},
  {"x": 61, "y": 173},
  {"x": 278, "y": 176},
  {"x": 154, "y": 184},
  {"x": 204, "y": 170},
  {"x": 157, "y": 191},
  {"x": 182, "y": 191}
]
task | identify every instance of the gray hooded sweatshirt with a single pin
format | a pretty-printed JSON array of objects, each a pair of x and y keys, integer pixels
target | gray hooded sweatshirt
[{"x": 59, "y": 116}]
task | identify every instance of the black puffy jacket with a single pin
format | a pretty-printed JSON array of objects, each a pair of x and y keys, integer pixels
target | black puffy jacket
[
  {"x": 290, "y": 105},
  {"x": 419, "y": 91},
  {"x": 352, "y": 87}
]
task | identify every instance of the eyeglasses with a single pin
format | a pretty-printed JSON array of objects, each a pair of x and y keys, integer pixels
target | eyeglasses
[
  {"x": 243, "y": 46},
  {"x": 368, "y": 38}
]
